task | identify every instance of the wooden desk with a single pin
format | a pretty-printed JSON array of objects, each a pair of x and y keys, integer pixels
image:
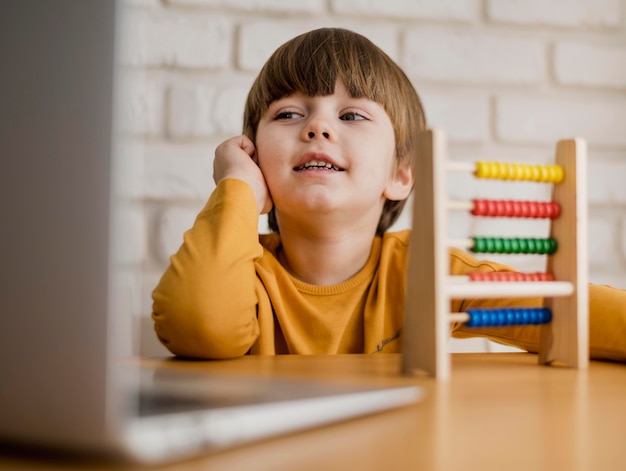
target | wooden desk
[{"x": 498, "y": 411}]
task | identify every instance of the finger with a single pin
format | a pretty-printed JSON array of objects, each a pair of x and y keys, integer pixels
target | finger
[{"x": 247, "y": 145}]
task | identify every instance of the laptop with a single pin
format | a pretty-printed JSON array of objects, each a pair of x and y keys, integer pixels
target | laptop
[{"x": 65, "y": 321}]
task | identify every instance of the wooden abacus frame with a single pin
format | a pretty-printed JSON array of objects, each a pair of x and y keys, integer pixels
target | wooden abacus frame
[{"x": 430, "y": 289}]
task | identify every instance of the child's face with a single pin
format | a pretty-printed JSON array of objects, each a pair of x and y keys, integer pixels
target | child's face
[{"x": 327, "y": 154}]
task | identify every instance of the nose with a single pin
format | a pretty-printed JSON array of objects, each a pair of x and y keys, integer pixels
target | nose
[
  {"x": 318, "y": 128},
  {"x": 311, "y": 135}
]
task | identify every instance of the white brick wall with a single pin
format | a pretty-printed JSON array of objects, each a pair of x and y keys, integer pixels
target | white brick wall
[
  {"x": 469, "y": 57},
  {"x": 187, "y": 41},
  {"x": 562, "y": 13},
  {"x": 543, "y": 119},
  {"x": 590, "y": 65},
  {"x": 259, "y": 39},
  {"x": 451, "y": 10},
  {"x": 267, "y": 6},
  {"x": 464, "y": 116},
  {"x": 504, "y": 78},
  {"x": 178, "y": 172}
]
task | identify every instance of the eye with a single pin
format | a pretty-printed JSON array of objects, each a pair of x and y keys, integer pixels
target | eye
[
  {"x": 351, "y": 116},
  {"x": 287, "y": 115}
]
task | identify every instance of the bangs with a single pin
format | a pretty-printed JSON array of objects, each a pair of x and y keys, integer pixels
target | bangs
[{"x": 313, "y": 63}]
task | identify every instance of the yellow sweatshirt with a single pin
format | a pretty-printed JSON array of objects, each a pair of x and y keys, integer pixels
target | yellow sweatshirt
[{"x": 225, "y": 294}]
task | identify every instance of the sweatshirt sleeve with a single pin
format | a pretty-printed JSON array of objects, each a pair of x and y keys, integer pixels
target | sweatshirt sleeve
[
  {"x": 607, "y": 316},
  {"x": 205, "y": 304}
]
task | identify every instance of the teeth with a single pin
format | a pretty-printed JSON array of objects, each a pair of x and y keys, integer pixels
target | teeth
[{"x": 317, "y": 164}]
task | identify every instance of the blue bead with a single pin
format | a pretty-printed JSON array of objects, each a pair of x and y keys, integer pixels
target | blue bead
[{"x": 508, "y": 316}]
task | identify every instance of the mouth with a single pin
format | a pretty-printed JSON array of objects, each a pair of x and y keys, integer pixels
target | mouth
[
  {"x": 317, "y": 162},
  {"x": 317, "y": 165}
]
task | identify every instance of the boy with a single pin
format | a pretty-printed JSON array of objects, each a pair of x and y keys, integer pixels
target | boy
[{"x": 327, "y": 150}]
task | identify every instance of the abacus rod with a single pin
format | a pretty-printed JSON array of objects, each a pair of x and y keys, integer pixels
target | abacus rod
[
  {"x": 461, "y": 317},
  {"x": 461, "y": 243},
  {"x": 460, "y": 205},
  {"x": 459, "y": 288},
  {"x": 461, "y": 166}
]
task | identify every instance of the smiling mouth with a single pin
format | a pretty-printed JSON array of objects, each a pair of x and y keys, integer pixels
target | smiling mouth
[{"x": 317, "y": 165}]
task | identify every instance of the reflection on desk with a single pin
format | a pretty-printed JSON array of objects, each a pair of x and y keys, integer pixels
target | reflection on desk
[{"x": 498, "y": 411}]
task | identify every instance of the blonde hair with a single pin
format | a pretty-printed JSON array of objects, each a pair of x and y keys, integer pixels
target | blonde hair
[{"x": 313, "y": 62}]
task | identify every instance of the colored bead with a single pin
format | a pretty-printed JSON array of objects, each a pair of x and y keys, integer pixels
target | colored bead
[
  {"x": 508, "y": 316},
  {"x": 509, "y": 276},
  {"x": 509, "y": 171},
  {"x": 527, "y": 245}
]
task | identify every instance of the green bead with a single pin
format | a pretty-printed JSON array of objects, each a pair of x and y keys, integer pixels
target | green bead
[
  {"x": 498, "y": 245},
  {"x": 553, "y": 246}
]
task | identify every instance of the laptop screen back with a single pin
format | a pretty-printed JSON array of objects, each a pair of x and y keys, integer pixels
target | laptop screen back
[{"x": 56, "y": 88}]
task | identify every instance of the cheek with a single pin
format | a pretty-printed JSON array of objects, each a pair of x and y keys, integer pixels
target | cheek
[
  {"x": 269, "y": 166},
  {"x": 272, "y": 152},
  {"x": 265, "y": 160}
]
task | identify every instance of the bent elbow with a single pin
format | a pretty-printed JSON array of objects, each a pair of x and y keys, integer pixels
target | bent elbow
[{"x": 219, "y": 339}]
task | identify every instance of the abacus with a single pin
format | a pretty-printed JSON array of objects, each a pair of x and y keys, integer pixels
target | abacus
[{"x": 430, "y": 289}]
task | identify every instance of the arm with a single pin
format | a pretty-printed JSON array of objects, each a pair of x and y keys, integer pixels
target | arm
[
  {"x": 607, "y": 316},
  {"x": 205, "y": 303}
]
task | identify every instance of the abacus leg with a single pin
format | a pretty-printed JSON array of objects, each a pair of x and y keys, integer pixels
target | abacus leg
[
  {"x": 426, "y": 327},
  {"x": 566, "y": 338}
]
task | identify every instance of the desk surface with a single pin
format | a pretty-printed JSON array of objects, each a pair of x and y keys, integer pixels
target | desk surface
[{"x": 497, "y": 411}]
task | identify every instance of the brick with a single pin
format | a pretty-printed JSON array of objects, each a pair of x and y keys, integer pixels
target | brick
[
  {"x": 129, "y": 163},
  {"x": 465, "y": 117},
  {"x": 139, "y": 103},
  {"x": 196, "y": 110},
  {"x": 601, "y": 245},
  {"x": 184, "y": 41},
  {"x": 130, "y": 233},
  {"x": 605, "y": 181},
  {"x": 182, "y": 172},
  {"x": 564, "y": 13},
  {"x": 279, "y": 6},
  {"x": 475, "y": 58},
  {"x": 259, "y": 40},
  {"x": 454, "y": 10},
  {"x": 590, "y": 65},
  {"x": 227, "y": 116},
  {"x": 534, "y": 119},
  {"x": 189, "y": 110},
  {"x": 172, "y": 223}
]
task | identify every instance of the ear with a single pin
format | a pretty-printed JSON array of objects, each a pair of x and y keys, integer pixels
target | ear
[{"x": 400, "y": 183}]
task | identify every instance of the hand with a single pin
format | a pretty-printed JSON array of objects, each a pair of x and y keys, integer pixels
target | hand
[{"x": 236, "y": 158}]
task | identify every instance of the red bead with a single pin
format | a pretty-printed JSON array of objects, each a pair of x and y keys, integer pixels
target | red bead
[
  {"x": 509, "y": 276},
  {"x": 515, "y": 209}
]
